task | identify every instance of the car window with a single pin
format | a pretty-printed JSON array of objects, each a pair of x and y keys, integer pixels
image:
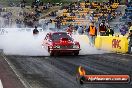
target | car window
[{"x": 58, "y": 36}]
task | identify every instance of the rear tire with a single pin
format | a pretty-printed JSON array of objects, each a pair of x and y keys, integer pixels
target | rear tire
[{"x": 51, "y": 53}]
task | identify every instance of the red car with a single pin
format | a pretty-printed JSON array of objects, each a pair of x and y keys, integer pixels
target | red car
[{"x": 60, "y": 42}]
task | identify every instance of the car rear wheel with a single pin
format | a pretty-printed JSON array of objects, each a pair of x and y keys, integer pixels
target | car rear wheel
[
  {"x": 51, "y": 53},
  {"x": 76, "y": 53}
]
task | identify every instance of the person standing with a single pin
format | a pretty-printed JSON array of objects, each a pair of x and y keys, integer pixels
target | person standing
[
  {"x": 35, "y": 31},
  {"x": 92, "y": 32},
  {"x": 80, "y": 30},
  {"x": 130, "y": 42},
  {"x": 69, "y": 29},
  {"x": 130, "y": 27},
  {"x": 102, "y": 29},
  {"x": 123, "y": 30},
  {"x": 91, "y": 18},
  {"x": 110, "y": 31}
]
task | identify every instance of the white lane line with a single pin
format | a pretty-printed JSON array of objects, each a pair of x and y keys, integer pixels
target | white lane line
[
  {"x": 1, "y": 86},
  {"x": 22, "y": 80}
]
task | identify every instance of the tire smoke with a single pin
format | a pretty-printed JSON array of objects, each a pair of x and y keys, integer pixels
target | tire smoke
[{"x": 25, "y": 43}]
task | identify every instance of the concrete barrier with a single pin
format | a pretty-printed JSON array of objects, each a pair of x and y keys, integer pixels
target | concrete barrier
[{"x": 112, "y": 43}]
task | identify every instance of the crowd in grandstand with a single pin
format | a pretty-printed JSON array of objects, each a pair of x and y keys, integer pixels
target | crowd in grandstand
[
  {"x": 77, "y": 14},
  {"x": 25, "y": 18},
  {"x": 91, "y": 18}
]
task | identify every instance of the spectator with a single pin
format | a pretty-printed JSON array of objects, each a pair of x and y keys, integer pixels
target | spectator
[
  {"x": 70, "y": 29},
  {"x": 103, "y": 17},
  {"x": 91, "y": 18},
  {"x": 123, "y": 30},
  {"x": 35, "y": 31},
  {"x": 102, "y": 29},
  {"x": 109, "y": 17},
  {"x": 87, "y": 16},
  {"x": 83, "y": 16},
  {"x": 22, "y": 5},
  {"x": 72, "y": 14},
  {"x": 80, "y": 30},
  {"x": 130, "y": 28},
  {"x": 18, "y": 23},
  {"x": 20, "y": 14},
  {"x": 11, "y": 22},
  {"x": 58, "y": 24},
  {"x": 30, "y": 24},
  {"x": 86, "y": 29},
  {"x": 76, "y": 27},
  {"x": 92, "y": 31},
  {"x": 130, "y": 42},
  {"x": 109, "y": 32}
]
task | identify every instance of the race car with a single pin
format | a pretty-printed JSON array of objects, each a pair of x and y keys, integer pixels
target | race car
[{"x": 60, "y": 42}]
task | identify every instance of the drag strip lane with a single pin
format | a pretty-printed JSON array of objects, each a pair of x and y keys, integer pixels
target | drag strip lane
[
  {"x": 41, "y": 74},
  {"x": 7, "y": 76},
  {"x": 60, "y": 71}
]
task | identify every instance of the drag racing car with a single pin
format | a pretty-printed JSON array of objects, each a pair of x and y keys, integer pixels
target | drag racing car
[{"x": 60, "y": 42}]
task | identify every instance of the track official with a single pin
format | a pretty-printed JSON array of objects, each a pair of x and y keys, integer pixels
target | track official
[{"x": 92, "y": 32}]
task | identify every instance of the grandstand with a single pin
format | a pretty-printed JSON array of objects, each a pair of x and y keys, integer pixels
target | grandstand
[
  {"x": 79, "y": 16},
  {"x": 16, "y": 2}
]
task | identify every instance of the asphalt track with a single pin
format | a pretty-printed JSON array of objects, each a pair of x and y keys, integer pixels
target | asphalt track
[{"x": 60, "y": 71}]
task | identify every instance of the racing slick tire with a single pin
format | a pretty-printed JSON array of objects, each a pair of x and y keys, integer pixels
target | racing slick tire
[
  {"x": 76, "y": 53},
  {"x": 51, "y": 53}
]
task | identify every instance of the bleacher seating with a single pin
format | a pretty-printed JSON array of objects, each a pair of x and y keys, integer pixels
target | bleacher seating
[{"x": 80, "y": 14}]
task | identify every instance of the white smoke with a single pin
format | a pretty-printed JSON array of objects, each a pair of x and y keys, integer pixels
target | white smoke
[
  {"x": 86, "y": 48},
  {"x": 24, "y": 43}
]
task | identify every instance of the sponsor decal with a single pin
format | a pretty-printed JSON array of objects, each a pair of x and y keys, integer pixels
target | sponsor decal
[{"x": 116, "y": 43}]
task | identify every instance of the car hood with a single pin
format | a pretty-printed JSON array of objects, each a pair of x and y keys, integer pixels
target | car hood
[{"x": 63, "y": 43}]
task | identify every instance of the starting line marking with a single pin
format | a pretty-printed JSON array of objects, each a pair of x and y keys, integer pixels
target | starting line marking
[{"x": 1, "y": 86}]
